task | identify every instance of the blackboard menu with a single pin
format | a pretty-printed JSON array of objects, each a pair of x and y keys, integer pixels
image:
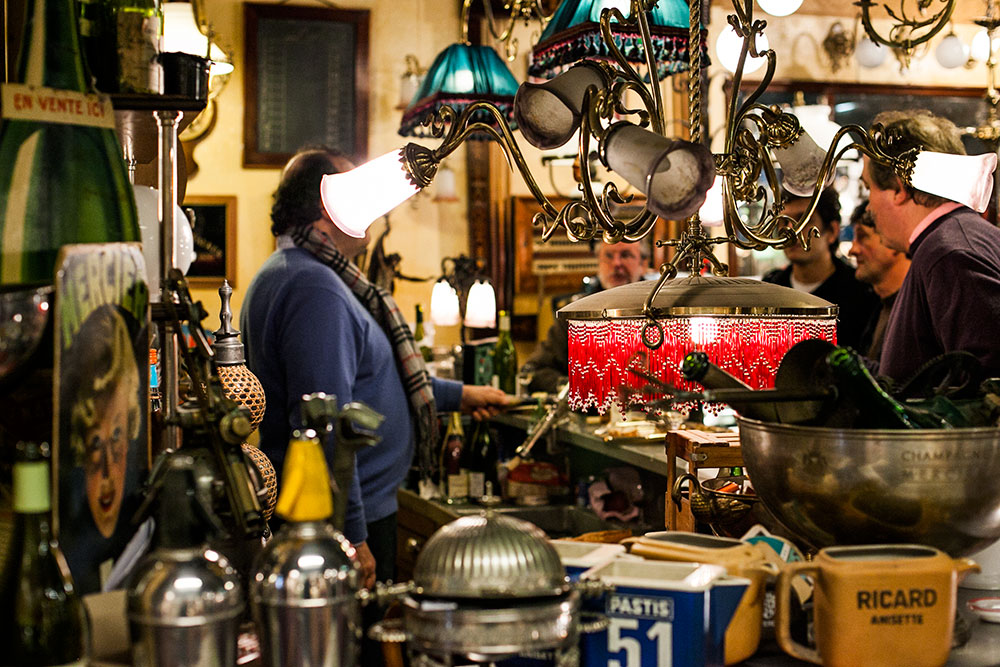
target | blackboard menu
[{"x": 306, "y": 82}]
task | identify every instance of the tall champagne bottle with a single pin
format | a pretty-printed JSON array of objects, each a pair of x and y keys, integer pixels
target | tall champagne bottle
[
  {"x": 483, "y": 458},
  {"x": 505, "y": 356},
  {"x": 47, "y": 623},
  {"x": 63, "y": 178}
]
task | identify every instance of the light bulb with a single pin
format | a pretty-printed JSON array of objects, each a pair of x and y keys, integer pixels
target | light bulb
[
  {"x": 951, "y": 52},
  {"x": 728, "y": 48},
  {"x": 779, "y": 7},
  {"x": 870, "y": 54}
]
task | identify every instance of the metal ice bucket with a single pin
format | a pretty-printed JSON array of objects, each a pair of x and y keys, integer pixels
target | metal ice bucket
[{"x": 864, "y": 486}]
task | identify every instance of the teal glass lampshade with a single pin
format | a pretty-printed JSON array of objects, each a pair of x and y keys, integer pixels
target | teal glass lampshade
[
  {"x": 574, "y": 33},
  {"x": 460, "y": 75}
]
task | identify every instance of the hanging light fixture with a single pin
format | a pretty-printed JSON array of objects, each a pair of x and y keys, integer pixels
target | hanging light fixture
[
  {"x": 574, "y": 33},
  {"x": 481, "y": 305},
  {"x": 745, "y": 326},
  {"x": 460, "y": 75},
  {"x": 444, "y": 304}
]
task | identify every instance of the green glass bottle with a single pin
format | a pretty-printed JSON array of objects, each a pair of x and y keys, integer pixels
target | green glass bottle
[
  {"x": 696, "y": 367},
  {"x": 482, "y": 457},
  {"x": 138, "y": 39},
  {"x": 505, "y": 356},
  {"x": 875, "y": 407},
  {"x": 48, "y": 623},
  {"x": 63, "y": 178}
]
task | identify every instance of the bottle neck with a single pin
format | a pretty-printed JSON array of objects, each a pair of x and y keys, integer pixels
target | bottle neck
[{"x": 50, "y": 47}]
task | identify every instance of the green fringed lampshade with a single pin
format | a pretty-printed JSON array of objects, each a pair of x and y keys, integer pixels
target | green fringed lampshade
[
  {"x": 574, "y": 33},
  {"x": 460, "y": 75}
]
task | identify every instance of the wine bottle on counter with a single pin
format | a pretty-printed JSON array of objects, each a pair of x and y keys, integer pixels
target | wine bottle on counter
[
  {"x": 420, "y": 335},
  {"x": 64, "y": 179},
  {"x": 454, "y": 477},
  {"x": 483, "y": 457},
  {"x": 47, "y": 623},
  {"x": 505, "y": 356}
]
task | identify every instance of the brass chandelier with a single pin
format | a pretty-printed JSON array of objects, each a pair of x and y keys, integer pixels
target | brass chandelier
[{"x": 619, "y": 115}]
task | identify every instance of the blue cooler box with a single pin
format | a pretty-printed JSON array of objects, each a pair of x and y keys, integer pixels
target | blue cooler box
[
  {"x": 662, "y": 614},
  {"x": 578, "y": 557}
]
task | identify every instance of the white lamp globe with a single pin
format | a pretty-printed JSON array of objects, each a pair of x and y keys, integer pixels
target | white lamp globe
[
  {"x": 951, "y": 52},
  {"x": 481, "y": 306},
  {"x": 728, "y": 48},
  {"x": 870, "y": 54},
  {"x": 779, "y": 7},
  {"x": 980, "y": 48}
]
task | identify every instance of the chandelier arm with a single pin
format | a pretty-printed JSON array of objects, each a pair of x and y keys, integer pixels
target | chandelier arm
[
  {"x": 937, "y": 21},
  {"x": 462, "y": 126},
  {"x": 627, "y": 71}
]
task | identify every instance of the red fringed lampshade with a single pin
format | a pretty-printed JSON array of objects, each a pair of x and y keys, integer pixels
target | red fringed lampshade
[{"x": 744, "y": 325}]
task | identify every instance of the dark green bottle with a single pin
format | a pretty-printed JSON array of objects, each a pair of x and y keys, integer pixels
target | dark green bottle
[
  {"x": 48, "y": 623},
  {"x": 63, "y": 178},
  {"x": 482, "y": 464},
  {"x": 875, "y": 407},
  {"x": 696, "y": 367}
]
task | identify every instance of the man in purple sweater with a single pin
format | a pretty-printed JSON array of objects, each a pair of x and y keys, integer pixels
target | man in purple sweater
[{"x": 950, "y": 298}]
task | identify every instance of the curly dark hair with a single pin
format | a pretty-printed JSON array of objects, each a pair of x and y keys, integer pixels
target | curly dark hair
[
  {"x": 827, "y": 208},
  {"x": 297, "y": 201}
]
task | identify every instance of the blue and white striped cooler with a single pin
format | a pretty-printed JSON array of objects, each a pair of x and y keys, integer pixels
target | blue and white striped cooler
[{"x": 662, "y": 614}]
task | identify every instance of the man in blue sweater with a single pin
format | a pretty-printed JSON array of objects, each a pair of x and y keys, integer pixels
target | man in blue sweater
[
  {"x": 311, "y": 322},
  {"x": 950, "y": 298}
]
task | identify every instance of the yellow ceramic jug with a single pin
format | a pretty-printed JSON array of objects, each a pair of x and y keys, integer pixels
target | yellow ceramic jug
[{"x": 881, "y": 605}]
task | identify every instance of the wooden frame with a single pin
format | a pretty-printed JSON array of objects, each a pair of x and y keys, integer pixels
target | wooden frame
[
  {"x": 214, "y": 239},
  {"x": 306, "y": 82}
]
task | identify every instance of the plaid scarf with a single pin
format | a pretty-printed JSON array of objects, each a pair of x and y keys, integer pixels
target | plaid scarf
[{"x": 380, "y": 304}]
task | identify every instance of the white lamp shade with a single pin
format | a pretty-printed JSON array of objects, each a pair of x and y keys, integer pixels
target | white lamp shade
[
  {"x": 779, "y": 7},
  {"x": 181, "y": 35},
  {"x": 445, "y": 186},
  {"x": 481, "y": 307},
  {"x": 870, "y": 54},
  {"x": 966, "y": 179},
  {"x": 355, "y": 199},
  {"x": 675, "y": 175},
  {"x": 728, "y": 48},
  {"x": 951, "y": 52},
  {"x": 801, "y": 162},
  {"x": 979, "y": 50},
  {"x": 146, "y": 203},
  {"x": 444, "y": 305}
]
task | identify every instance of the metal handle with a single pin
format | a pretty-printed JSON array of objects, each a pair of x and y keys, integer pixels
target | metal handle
[{"x": 413, "y": 546}]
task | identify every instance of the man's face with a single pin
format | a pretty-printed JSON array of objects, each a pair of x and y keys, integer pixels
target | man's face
[
  {"x": 874, "y": 259},
  {"x": 818, "y": 247},
  {"x": 106, "y": 459},
  {"x": 619, "y": 264},
  {"x": 882, "y": 209}
]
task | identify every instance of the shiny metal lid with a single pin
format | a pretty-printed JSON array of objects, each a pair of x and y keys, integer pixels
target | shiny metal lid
[
  {"x": 489, "y": 556},
  {"x": 308, "y": 564},
  {"x": 699, "y": 295},
  {"x": 184, "y": 588}
]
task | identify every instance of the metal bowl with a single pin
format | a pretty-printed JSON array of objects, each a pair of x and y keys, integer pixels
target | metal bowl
[
  {"x": 489, "y": 556},
  {"x": 863, "y": 486}
]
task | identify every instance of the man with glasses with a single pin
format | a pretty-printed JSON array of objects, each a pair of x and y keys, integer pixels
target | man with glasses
[{"x": 617, "y": 264}]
